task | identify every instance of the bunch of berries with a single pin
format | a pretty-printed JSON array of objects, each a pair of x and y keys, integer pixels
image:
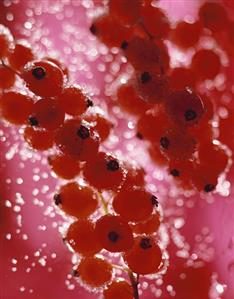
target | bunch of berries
[
  {"x": 173, "y": 110},
  {"x": 59, "y": 116}
]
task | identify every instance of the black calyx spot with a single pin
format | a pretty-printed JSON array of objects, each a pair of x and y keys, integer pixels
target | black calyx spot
[
  {"x": 75, "y": 273},
  {"x": 190, "y": 115},
  {"x": 175, "y": 172},
  {"x": 83, "y": 132},
  {"x": 112, "y": 165},
  {"x": 57, "y": 199},
  {"x": 33, "y": 121},
  {"x": 124, "y": 45},
  {"x": 154, "y": 200},
  {"x": 93, "y": 29},
  {"x": 209, "y": 188},
  {"x": 164, "y": 142},
  {"x": 139, "y": 135},
  {"x": 113, "y": 236},
  {"x": 145, "y": 243},
  {"x": 145, "y": 77},
  {"x": 89, "y": 103},
  {"x": 39, "y": 72}
]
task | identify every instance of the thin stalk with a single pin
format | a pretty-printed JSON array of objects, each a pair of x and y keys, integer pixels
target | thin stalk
[
  {"x": 134, "y": 282},
  {"x": 104, "y": 203}
]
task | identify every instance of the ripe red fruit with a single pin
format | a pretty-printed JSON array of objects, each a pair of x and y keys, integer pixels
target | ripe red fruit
[
  {"x": 133, "y": 205},
  {"x": 94, "y": 271},
  {"x": 6, "y": 39},
  {"x": 114, "y": 233},
  {"x": 126, "y": 12},
  {"x": 65, "y": 166},
  {"x": 77, "y": 200},
  {"x": 148, "y": 227},
  {"x": 16, "y": 107},
  {"x": 82, "y": 238},
  {"x": 134, "y": 177},
  {"x": 118, "y": 289},
  {"x": 7, "y": 77},
  {"x": 47, "y": 114},
  {"x": 44, "y": 78},
  {"x": 61, "y": 65},
  {"x": 76, "y": 139},
  {"x": 181, "y": 77},
  {"x": 73, "y": 101},
  {"x": 205, "y": 64},
  {"x": 184, "y": 107},
  {"x": 104, "y": 172},
  {"x": 39, "y": 139},
  {"x": 145, "y": 257},
  {"x": 20, "y": 55}
]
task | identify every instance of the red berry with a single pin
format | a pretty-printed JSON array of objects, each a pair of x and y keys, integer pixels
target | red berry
[
  {"x": 44, "y": 78},
  {"x": 65, "y": 166},
  {"x": 133, "y": 205},
  {"x": 82, "y": 238},
  {"x": 134, "y": 177},
  {"x": 61, "y": 65},
  {"x": 148, "y": 227},
  {"x": 104, "y": 172},
  {"x": 94, "y": 271},
  {"x": 20, "y": 55},
  {"x": 118, "y": 289},
  {"x": 126, "y": 12},
  {"x": 145, "y": 257},
  {"x": 114, "y": 233},
  {"x": 6, "y": 39},
  {"x": 7, "y": 77},
  {"x": 205, "y": 64},
  {"x": 77, "y": 200},
  {"x": 39, "y": 139},
  {"x": 181, "y": 77},
  {"x": 16, "y": 107}
]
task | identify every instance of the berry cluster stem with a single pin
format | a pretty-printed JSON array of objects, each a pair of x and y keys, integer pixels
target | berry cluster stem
[
  {"x": 134, "y": 282},
  {"x": 104, "y": 203}
]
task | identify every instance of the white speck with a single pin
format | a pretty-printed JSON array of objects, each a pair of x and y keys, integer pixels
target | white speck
[
  {"x": 8, "y": 204},
  {"x": 17, "y": 209},
  {"x": 42, "y": 261},
  {"x": 22, "y": 289},
  {"x": 14, "y": 261},
  {"x": 8, "y": 236}
]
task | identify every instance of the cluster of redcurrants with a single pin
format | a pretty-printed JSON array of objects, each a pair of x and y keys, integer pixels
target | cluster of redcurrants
[
  {"x": 170, "y": 113},
  {"x": 54, "y": 115}
]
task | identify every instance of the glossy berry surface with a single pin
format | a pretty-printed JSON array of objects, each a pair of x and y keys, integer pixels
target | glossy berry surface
[
  {"x": 101, "y": 124},
  {"x": 39, "y": 139},
  {"x": 82, "y": 238},
  {"x": 145, "y": 257},
  {"x": 20, "y": 55},
  {"x": 7, "y": 77},
  {"x": 6, "y": 40},
  {"x": 181, "y": 77},
  {"x": 127, "y": 12},
  {"x": 95, "y": 271},
  {"x": 118, "y": 289},
  {"x": 114, "y": 233},
  {"x": 148, "y": 227},
  {"x": 44, "y": 78},
  {"x": 77, "y": 200}
]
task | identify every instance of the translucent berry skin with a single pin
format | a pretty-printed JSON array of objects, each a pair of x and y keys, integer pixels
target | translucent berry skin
[
  {"x": 148, "y": 227},
  {"x": 126, "y": 12},
  {"x": 16, "y": 107},
  {"x": 70, "y": 141},
  {"x": 95, "y": 271},
  {"x": 44, "y": 78},
  {"x": 180, "y": 78},
  {"x": 118, "y": 289},
  {"x": 145, "y": 257},
  {"x": 6, "y": 40},
  {"x": 205, "y": 64},
  {"x": 213, "y": 16},
  {"x": 110, "y": 31},
  {"x": 77, "y": 200},
  {"x": 7, "y": 77},
  {"x": 38, "y": 139},
  {"x": 186, "y": 35},
  {"x": 61, "y": 65},
  {"x": 20, "y": 55},
  {"x": 114, "y": 233},
  {"x": 82, "y": 238},
  {"x": 73, "y": 101},
  {"x": 65, "y": 166},
  {"x": 101, "y": 175},
  {"x": 133, "y": 205},
  {"x": 134, "y": 177},
  {"x": 48, "y": 114},
  {"x": 184, "y": 107}
]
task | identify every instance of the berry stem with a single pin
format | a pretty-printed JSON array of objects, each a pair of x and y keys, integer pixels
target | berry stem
[
  {"x": 134, "y": 282},
  {"x": 104, "y": 203}
]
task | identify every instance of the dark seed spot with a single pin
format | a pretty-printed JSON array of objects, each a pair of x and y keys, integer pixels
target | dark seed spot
[
  {"x": 33, "y": 121},
  {"x": 175, "y": 172},
  {"x": 113, "y": 236},
  {"x": 209, "y": 187},
  {"x": 154, "y": 200},
  {"x": 124, "y": 45},
  {"x": 145, "y": 243},
  {"x": 190, "y": 115},
  {"x": 83, "y": 132},
  {"x": 164, "y": 141},
  {"x": 75, "y": 273},
  {"x": 145, "y": 77},
  {"x": 112, "y": 165},
  {"x": 93, "y": 29},
  {"x": 57, "y": 199},
  {"x": 139, "y": 135},
  {"x": 89, "y": 103},
  {"x": 39, "y": 72}
]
